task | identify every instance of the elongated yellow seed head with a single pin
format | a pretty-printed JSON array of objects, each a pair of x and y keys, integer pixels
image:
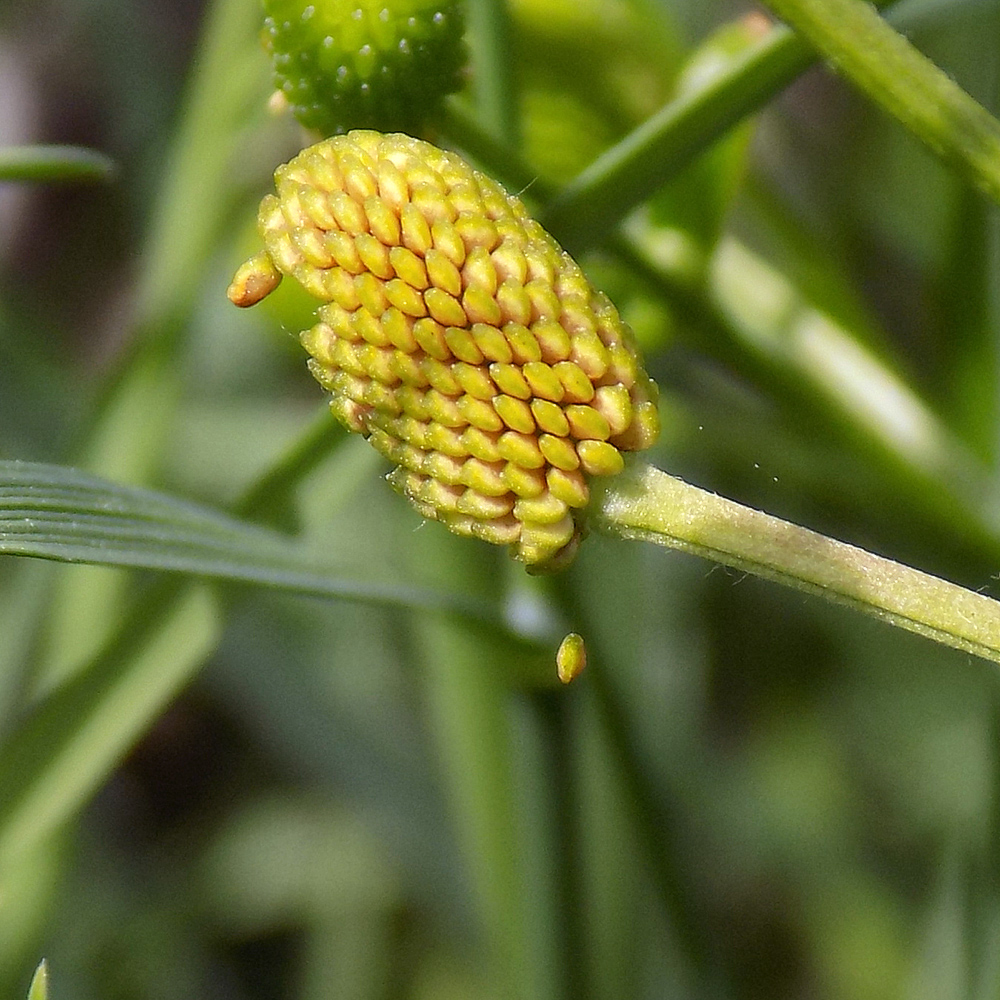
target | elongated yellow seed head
[{"x": 457, "y": 336}]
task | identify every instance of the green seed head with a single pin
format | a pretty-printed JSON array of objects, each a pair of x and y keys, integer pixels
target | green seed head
[
  {"x": 456, "y": 336},
  {"x": 364, "y": 63}
]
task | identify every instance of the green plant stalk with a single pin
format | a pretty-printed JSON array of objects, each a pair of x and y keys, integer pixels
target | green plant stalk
[
  {"x": 49, "y": 164},
  {"x": 228, "y": 84},
  {"x": 647, "y": 504},
  {"x": 749, "y": 316},
  {"x": 491, "y": 49},
  {"x": 625, "y": 175},
  {"x": 466, "y": 698},
  {"x": 893, "y": 73},
  {"x": 658, "y": 836}
]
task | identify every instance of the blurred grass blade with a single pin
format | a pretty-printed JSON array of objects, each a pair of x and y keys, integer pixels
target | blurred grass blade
[
  {"x": 228, "y": 86},
  {"x": 63, "y": 751},
  {"x": 466, "y": 695},
  {"x": 39, "y": 989},
  {"x": 887, "y": 67},
  {"x": 774, "y": 320},
  {"x": 624, "y": 176},
  {"x": 48, "y": 164},
  {"x": 60, "y": 513},
  {"x": 491, "y": 48}
]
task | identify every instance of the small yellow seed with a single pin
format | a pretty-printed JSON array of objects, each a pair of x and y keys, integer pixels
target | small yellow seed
[
  {"x": 510, "y": 380},
  {"x": 480, "y": 306},
  {"x": 447, "y": 239},
  {"x": 553, "y": 341},
  {"x": 409, "y": 267},
  {"x": 515, "y": 306},
  {"x": 543, "y": 380},
  {"x": 486, "y": 477},
  {"x": 515, "y": 413},
  {"x": 345, "y": 253},
  {"x": 254, "y": 280},
  {"x": 523, "y": 345},
  {"x": 429, "y": 334},
  {"x": 445, "y": 439},
  {"x": 416, "y": 232},
  {"x": 405, "y": 298},
  {"x": 559, "y": 452},
  {"x": 598, "y": 458},
  {"x": 442, "y": 272},
  {"x": 546, "y": 509},
  {"x": 569, "y": 485},
  {"x": 524, "y": 482},
  {"x": 481, "y": 444},
  {"x": 374, "y": 255},
  {"x": 479, "y": 413},
  {"x": 349, "y": 214},
  {"x": 521, "y": 449},
  {"x": 484, "y": 507},
  {"x": 571, "y": 658},
  {"x": 445, "y": 308},
  {"x": 383, "y": 223},
  {"x": 492, "y": 343},
  {"x": 473, "y": 379},
  {"x": 399, "y": 330},
  {"x": 586, "y": 422},
  {"x": 549, "y": 417}
]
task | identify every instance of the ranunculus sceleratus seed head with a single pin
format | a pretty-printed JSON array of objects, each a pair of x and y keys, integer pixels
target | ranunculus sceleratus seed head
[{"x": 457, "y": 336}]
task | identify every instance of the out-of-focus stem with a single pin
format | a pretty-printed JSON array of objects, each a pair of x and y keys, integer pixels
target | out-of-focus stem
[
  {"x": 493, "y": 85},
  {"x": 891, "y": 71},
  {"x": 49, "y": 164}
]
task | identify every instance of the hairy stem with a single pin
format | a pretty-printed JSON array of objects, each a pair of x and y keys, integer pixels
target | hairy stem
[{"x": 645, "y": 503}]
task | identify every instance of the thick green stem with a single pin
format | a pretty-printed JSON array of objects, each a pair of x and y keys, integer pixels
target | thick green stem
[
  {"x": 645, "y": 503},
  {"x": 888, "y": 68}
]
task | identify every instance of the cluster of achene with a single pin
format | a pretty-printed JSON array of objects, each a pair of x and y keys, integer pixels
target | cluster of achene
[{"x": 457, "y": 336}]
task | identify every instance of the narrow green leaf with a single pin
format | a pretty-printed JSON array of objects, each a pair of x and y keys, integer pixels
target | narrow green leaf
[
  {"x": 48, "y": 164},
  {"x": 39, "y": 989},
  {"x": 64, "y": 514}
]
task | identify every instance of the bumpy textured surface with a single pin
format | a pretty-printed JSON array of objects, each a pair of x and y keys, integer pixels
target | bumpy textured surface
[
  {"x": 354, "y": 63},
  {"x": 457, "y": 336}
]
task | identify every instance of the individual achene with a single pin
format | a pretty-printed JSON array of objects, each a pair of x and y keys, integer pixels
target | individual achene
[{"x": 457, "y": 336}]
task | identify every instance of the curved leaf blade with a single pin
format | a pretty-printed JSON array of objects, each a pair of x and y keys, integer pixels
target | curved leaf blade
[{"x": 64, "y": 514}]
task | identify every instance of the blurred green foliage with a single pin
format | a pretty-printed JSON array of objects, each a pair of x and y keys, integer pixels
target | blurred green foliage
[{"x": 234, "y": 793}]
